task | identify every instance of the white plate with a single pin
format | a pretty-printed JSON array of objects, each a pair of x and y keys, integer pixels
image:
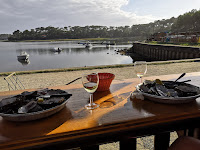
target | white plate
[{"x": 168, "y": 100}]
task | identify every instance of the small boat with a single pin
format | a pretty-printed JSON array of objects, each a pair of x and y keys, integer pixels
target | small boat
[
  {"x": 107, "y": 45},
  {"x": 57, "y": 49},
  {"x": 23, "y": 56},
  {"x": 88, "y": 45}
]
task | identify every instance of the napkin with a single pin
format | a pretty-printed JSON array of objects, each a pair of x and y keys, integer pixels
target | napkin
[{"x": 137, "y": 95}]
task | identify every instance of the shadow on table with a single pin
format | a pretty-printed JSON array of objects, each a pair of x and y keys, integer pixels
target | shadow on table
[
  {"x": 33, "y": 128},
  {"x": 160, "y": 108}
]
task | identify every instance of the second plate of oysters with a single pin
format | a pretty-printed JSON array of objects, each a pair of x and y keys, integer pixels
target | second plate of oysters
[{"x": 170, "y": 92}]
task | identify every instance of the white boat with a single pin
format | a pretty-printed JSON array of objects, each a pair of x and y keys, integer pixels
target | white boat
[
  {"x": 57, "y": 49},
  {"x": 88, "y": 45},
  {"x": 23, "y": 55},
  {"x": 107, "y": 45}
]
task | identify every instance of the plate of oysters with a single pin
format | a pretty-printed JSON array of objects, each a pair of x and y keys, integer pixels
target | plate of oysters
[
  {"x": 169, "y": 92},
  {"x": 33, "y": 105}
]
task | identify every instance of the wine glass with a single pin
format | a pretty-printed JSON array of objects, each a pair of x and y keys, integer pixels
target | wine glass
[
  {"x": 90, "y": 83},
  {"x": 140, "y": 68}
]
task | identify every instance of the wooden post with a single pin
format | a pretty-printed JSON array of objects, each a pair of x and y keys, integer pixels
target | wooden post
[
  {"x": 128, "y": 143},
  {"x": 161, "y": 141}
]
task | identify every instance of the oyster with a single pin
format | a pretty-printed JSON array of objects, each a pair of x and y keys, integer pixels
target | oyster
[
  {"x": 7, "y": 101},
  {"x": 187, "y": 90},
  {"x": 172, "y": 93},
  {"x": 162, "y": 90},
  {"x": 32, "y": 106},
  {"x": 165, "y": 92},
  {"x": 153, "y": 91},
  {"x": 148, "y": 82},
  {"x": 144, "y": 88},
  {"x": 53, "y": 100},
  {"x": 158, "y": 81},
  {"x": 171, "y": 85}
]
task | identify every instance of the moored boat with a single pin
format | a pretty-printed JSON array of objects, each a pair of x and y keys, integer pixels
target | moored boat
[
  {"x": 88, "y": 45},
  {"x": 107, "y": 45},
  {"x": 57, "y": 49},
  {"x": 23, "y": 55}
]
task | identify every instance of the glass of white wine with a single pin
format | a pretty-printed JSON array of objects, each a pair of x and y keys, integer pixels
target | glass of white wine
[
  {"x": 90, "y": 83},
  {"x": 140, "y": 68}
]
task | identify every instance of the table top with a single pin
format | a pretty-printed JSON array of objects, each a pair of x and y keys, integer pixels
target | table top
[{"x": 117, "y": 113}]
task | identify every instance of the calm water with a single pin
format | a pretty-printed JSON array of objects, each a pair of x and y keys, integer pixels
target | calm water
[{"x": 41, "y": 55}]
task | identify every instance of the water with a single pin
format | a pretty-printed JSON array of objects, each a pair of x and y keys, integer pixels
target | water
[{"x": 42, "y": 56}]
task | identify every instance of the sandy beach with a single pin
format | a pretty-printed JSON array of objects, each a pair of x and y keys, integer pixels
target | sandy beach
[{"x": 43, "y": 80}]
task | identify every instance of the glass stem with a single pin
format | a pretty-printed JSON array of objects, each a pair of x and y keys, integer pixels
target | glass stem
[
  {"x": 140, "y": 79},
  {"x": 91, "y": 98}
]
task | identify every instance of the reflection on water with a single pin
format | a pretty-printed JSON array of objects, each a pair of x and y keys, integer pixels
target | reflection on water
[
  {"x": 24, "y": 61},
  {"x": 43, "y": 56}
]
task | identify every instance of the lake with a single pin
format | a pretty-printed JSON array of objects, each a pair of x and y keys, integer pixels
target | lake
[{"x": 42, "y": 55}]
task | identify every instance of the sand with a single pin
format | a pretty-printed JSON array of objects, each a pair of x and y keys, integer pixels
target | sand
[{"x": 42, "y": 80}]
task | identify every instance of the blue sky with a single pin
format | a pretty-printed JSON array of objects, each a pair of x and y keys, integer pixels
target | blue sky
[
  {"x": 160, "y": 8},
  {"x": 30, "y": 14}
]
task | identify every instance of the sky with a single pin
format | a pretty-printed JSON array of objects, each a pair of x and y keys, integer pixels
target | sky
[{"x": 30, "y": 14}]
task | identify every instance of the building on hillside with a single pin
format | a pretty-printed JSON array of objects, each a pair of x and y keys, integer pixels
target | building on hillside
[
  {"x": 180, "y": 37},
  {"x": 159, "y": 36},
  {"x": 185, "y": 37}
]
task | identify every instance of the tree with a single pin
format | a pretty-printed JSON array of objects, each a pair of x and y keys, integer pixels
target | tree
[{"x": 189, "y": 21}]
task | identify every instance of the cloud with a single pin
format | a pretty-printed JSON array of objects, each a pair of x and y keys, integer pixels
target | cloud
[{"x": 29, "y": 14}]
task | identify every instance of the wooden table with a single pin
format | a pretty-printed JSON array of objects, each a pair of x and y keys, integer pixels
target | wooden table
[{"x": 117, "y": 119}]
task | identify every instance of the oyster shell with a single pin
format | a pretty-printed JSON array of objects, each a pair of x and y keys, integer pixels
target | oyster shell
[
  {"x": 158, "y": 81},
  {"x": 149, "y": 82},
  {"x": 153, "y": 91},
  {"x": 187, "y": 90},
  {"x": 162, "y": 90},
  {"x": 165, "y": 92},
  {"x": 144, "y": 88},
  {"x": 7, "y": 101},
  {"x": 32, "y": 106}
]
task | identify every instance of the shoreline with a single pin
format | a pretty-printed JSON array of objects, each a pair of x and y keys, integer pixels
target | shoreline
[
  {"x": 55, "y": 40},
  {"x": 96, "y": 67}
]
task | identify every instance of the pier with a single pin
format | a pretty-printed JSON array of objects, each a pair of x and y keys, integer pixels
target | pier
[{"x": 155, "y": 52}]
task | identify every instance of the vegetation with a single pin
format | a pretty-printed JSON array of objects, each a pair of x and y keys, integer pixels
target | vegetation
[
  {"x": 189, "y": 21},
  {"x": 52, "y": 40}
]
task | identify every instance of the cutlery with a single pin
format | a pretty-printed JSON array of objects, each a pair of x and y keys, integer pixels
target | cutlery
[
  {"x": 182, "y": 75},
  {"x": 73, "y": 80},
  {"x": 54, "y": 95},
  {"x": 185, "y": 81}
]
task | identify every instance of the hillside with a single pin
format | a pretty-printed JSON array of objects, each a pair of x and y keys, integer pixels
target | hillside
[{"x": 189, "y": 21}]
